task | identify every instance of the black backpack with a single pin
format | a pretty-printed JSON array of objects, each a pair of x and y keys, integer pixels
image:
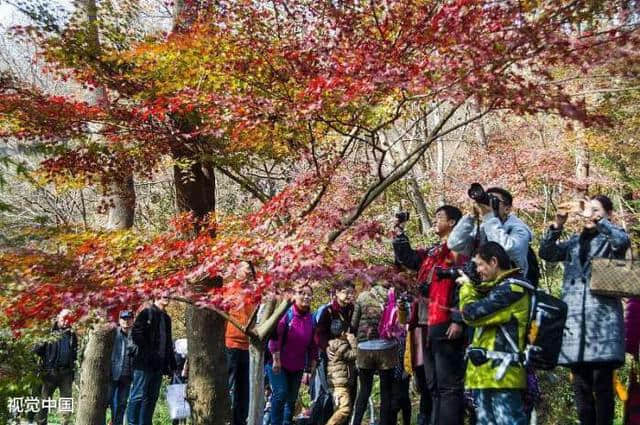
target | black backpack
[{"x": 545, "y": 328}]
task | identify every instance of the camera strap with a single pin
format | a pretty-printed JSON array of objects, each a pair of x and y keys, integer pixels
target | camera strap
[{"x": 476, "y": 238}]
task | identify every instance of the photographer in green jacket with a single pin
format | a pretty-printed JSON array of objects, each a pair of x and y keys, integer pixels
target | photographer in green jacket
[{"x": 497, "y": 308}]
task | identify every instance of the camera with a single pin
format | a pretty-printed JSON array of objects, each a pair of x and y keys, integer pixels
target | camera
[
  {"x": 478, "y": 194},
  {"x": 402, "y": 216},
  {"x": 468, "y": 268}
]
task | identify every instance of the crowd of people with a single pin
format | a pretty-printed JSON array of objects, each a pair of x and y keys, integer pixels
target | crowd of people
[{"x": 460, "y": 332}]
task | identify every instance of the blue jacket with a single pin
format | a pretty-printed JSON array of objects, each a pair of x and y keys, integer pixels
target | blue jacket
[
  {"x": 121, "y": 356},
  {"x": 513, "y": 235}
]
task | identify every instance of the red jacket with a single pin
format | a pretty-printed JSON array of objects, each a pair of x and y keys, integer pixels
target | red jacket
[
  {"x": 443, "y": 306},
  {"x": 442, "y": 297}
]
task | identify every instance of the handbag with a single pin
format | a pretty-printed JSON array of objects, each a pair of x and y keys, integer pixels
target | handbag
[
  {"x": 177, "y": 401},
  {"x": 615, "y": 277}
]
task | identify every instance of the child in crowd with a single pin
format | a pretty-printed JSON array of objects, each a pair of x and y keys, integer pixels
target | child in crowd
[{"x": 341, "y": 370}]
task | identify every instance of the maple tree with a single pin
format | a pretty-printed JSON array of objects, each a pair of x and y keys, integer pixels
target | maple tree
[{"x": 292, "y": 81}]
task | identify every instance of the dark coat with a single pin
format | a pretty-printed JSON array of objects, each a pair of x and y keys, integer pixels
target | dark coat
[
  {"x": 60, "y": 353},
  {"x": 122, "y": 355},
  {"x": 149, "y": 355},
  {"x": 594, "y": 329}
]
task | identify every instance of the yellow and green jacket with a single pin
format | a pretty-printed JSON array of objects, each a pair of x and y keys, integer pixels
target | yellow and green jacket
[{"x": 486, "y": 307}]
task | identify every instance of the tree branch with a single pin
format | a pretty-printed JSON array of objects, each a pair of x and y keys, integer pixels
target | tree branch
[
  {"x": 245, "y": 183},
  {"x": 401, "y": 169}
]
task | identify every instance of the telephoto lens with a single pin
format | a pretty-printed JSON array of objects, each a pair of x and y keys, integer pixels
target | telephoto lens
[
  {"x": 477, "y": 193},
  {"x": 448, "y": 273},
  {"x": 402, "y": 216}
]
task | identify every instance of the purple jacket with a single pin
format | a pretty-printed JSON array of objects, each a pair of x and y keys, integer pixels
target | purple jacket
[
  {"x": 632, "y": 326},
  {"x": 299, "y": 348}
]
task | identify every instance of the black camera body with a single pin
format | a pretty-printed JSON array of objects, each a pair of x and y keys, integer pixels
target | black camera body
[
  {"x": 402, "y": 216},
  {"x": 468, "y": 268},
  {"x": 478, "y": 194}
]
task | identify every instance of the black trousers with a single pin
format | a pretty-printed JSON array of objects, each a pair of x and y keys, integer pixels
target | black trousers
[
  {"x": 593, "y": 389},
  {"x": 401, "y": 401},
  {"x": 52, "y": 380},
  {"x": 365, "y": 384},
  {"x": 238, "y": 367},
  {"x": 444, "y": 376},
  {"x": 424, "y": 417}
]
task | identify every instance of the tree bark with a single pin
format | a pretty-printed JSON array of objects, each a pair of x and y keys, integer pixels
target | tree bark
[
  {"x": 421, "y": 206},
  {"x": 256, "y": 384},
  {"x": 207, "y": 386},
  {"x": 94, "y": 376},
  {"x": 480, "y": 130},
  {"x": 207, "y": 390},
  {"x": 416, "y": 193},
  {"x": 121, "y": 204},
  {"x": 269, "y": 315},
  {"x": 582, "y": 168},
  {"x": 440, "y": 168},
  {"x": 95, "y": 369},
  {"x": 256, "y": 376},
  {"x": 196, "y": 188}
]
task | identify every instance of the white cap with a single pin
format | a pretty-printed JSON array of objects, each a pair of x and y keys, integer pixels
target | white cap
[{"x": 181, "y": 346}]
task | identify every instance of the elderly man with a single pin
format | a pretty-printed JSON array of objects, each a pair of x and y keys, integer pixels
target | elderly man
[
  {"x": 121, "y": 367},
  {"x": 57, "y": 361}
]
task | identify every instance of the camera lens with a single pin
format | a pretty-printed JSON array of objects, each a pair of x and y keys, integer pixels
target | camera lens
[{"x": 475, "y": 191}]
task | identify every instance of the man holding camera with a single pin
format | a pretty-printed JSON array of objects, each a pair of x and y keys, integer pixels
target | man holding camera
[
  {"x": 498, "y": 309},
  {"x": 438, "y": 355},
  {"x": 499, "y": 225}
]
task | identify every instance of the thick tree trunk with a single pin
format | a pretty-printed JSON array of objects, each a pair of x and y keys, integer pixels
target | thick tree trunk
[
  {"x": 207, "y": 390},
  {"x": 96, "y": 364},
  {"x": 196, "y": 188},
  {"x": 121, "y": 204},
  {"x": 93, "y": 396},
  {"x": 207, "y": 386},
  {"x": 196, "y": 192}
]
